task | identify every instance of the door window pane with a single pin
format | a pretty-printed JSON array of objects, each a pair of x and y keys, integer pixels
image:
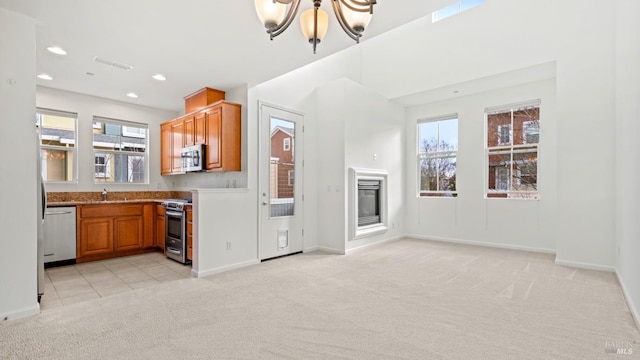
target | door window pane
[{"x": 282, "y": 168}]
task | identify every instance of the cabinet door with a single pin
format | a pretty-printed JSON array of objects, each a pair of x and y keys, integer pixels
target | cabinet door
[
  {"x": 160, "y": 231},
  {"x": 214, "y": 141},
  {"x": 148, "y": 219},
  {"x": 128, "y": 233},
  {"x": 165, "y": 149},
  {"x": 189, "y": 131},
  {"x": 189, "y": 232},
  {"x": 200, "y": 128},
  {"x": 96, "y": 236},
  {"x": 177, "y": 140},
  {"x": 160, "y": 227}
]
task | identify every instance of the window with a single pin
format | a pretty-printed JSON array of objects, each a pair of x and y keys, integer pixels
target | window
[
  {"x": 453, "y": 9},
  {"x": 513, "y": 135},
  {"x": 504, "y": 134},
  {"x": 531, "y": 132},
  {"x": 120, "y": 151},
  {"x": 437, "y": 155},
  {"x": 290, "y": 177},
  {"x": 286, "y": 144},
  {"x": 57, "y": 144},
  {"x": 102, "y": 166}
]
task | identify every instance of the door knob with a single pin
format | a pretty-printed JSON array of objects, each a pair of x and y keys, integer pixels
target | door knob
[{"x": 264, "y": 203}]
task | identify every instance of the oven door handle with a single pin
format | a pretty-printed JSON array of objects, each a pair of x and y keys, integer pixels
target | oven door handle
[
  {"x": 171, "y": 250},
  {"x": 173, "y": 213}
]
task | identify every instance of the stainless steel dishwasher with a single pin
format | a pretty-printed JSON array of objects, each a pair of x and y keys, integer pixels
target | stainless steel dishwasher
[{"x": 60, "y": 236}]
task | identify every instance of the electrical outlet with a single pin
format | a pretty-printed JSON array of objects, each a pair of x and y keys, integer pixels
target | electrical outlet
[{"x": 228, "y": 245}]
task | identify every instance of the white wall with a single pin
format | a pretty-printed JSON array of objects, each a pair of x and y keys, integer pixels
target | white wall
[
  {"x": 18, "y": 184},
  {"x": 221, "y": 216},
  {"x": 86, "y": 107},
  {"x": 627, "y": 173},
  {"x": 504, "y": 35},
  {"x": 374, "y": 138},
  {"x": 513, "y": 223}
]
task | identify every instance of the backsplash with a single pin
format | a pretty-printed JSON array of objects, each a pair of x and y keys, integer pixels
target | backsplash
[{"x": 55, "y": 197}]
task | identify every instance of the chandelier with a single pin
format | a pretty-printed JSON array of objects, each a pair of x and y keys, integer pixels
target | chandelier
[{"x": 353, "y": 16}]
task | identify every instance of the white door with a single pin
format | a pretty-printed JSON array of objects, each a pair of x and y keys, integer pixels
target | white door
[{"x": 281, "y": 171}]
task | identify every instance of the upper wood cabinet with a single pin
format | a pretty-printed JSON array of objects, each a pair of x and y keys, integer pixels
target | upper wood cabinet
[
  {"x": 166, "y": 149},
  {"x": 223, "y": 137},
  {"x": 177, "y": 143},
  {"x": 216, "y": 125},
  {"x": 189, "y": 131},
  {"x": 200, "y": 130}
]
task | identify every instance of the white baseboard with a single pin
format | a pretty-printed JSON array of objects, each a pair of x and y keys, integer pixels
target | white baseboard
[
  {"x": 203, "y": 273},
  {"x": 581, "y": 265},
  {"x": 323, "y": 249},
  {"x": 632, "y": 306},
  {"x": 24, "y": 312},
  {"x": 482, "y": 243},
  {"x": 379, "y": 242}
]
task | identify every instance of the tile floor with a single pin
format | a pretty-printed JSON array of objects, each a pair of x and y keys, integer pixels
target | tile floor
[{"x": 75, "y": 283}]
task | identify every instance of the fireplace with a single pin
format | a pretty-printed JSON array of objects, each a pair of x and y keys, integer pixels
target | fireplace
[{"x": 368, "y": 202}]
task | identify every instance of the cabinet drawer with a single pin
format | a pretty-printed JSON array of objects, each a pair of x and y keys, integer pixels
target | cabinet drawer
[
  {"x": 110, "y": 210},
  {"x": 160, "y": 210}
]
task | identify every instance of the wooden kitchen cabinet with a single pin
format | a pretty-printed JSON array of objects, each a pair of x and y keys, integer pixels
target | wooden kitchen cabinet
[
  {"x": 216, "y": 125},
  {"x": 166, "y": 149},
  {"x": 111, "y": 230},
  {"x": 128, "y": 233},
  {"x": 200, "y": 131},
  {"x": 177, "y": 143},
  {"x": 95, "y": 237},
  {"x": 194, "y": 129},
  {"x": 160, "y": 227},
  {"x": 223, "y": 137},
  {"x": 189, "y": 232}
]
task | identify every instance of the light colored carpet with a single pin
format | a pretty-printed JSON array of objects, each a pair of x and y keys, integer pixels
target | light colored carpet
[{"x": 405, "y": 299}]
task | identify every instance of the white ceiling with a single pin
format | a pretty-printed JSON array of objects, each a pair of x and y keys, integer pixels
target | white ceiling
[{"x": 194, "y": 43}]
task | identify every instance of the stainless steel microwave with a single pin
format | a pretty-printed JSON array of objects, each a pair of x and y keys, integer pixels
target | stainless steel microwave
[{"x": 193, "y": 158}]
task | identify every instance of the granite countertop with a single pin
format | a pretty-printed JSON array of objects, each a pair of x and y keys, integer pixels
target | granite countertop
[
  {"x": 56, "y": 199},
  {"x": 101, "y": 202}
]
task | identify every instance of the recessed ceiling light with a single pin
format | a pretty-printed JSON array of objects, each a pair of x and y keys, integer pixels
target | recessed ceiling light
[
  {"x": 159, "y": 77},
  {"x": 132, "y": 95},
  {"x": 57, "y": 50},
  {"x": 44, "y": 77}
]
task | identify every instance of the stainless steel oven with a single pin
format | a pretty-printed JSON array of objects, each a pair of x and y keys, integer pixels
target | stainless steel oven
[{"x": 175, "y": 230}]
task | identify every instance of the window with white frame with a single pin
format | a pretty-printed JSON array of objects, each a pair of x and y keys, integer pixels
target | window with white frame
[
  {"x": 437, "y": 156},
  {"x": 290, "y": 177},
  {"x": 102, "y": 166},
  {"x": 120, "y": 151},
  {"x": 512, "y": 139},
  {"x": 58, "y": 141},
  {"x": 286, "y": 144}
]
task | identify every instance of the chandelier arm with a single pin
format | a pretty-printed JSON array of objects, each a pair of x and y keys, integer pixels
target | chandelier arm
[
  {"x": 343, "y": 23},
  {"x": 291, "y": 14},
  {"x": 286, "y": 2},
  {"x": 359, "y": 5}
]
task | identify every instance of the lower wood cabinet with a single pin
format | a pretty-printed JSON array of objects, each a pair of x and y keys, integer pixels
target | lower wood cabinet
[
  {"x": 160, "y": 227},
  {"x": 189, "y": 233},
  {"x": 106, "y": 231},
  {"x": 95, "y": 236}
]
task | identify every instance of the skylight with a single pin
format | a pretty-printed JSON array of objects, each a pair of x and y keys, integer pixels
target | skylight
[{"x": 455, "y": 8}]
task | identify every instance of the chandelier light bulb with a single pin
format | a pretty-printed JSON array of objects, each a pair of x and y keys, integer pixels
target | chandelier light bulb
[{"x": 270, "y": 14}]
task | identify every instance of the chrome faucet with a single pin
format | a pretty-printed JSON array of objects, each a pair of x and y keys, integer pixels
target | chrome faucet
[{"x": 104, "y": 194}]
